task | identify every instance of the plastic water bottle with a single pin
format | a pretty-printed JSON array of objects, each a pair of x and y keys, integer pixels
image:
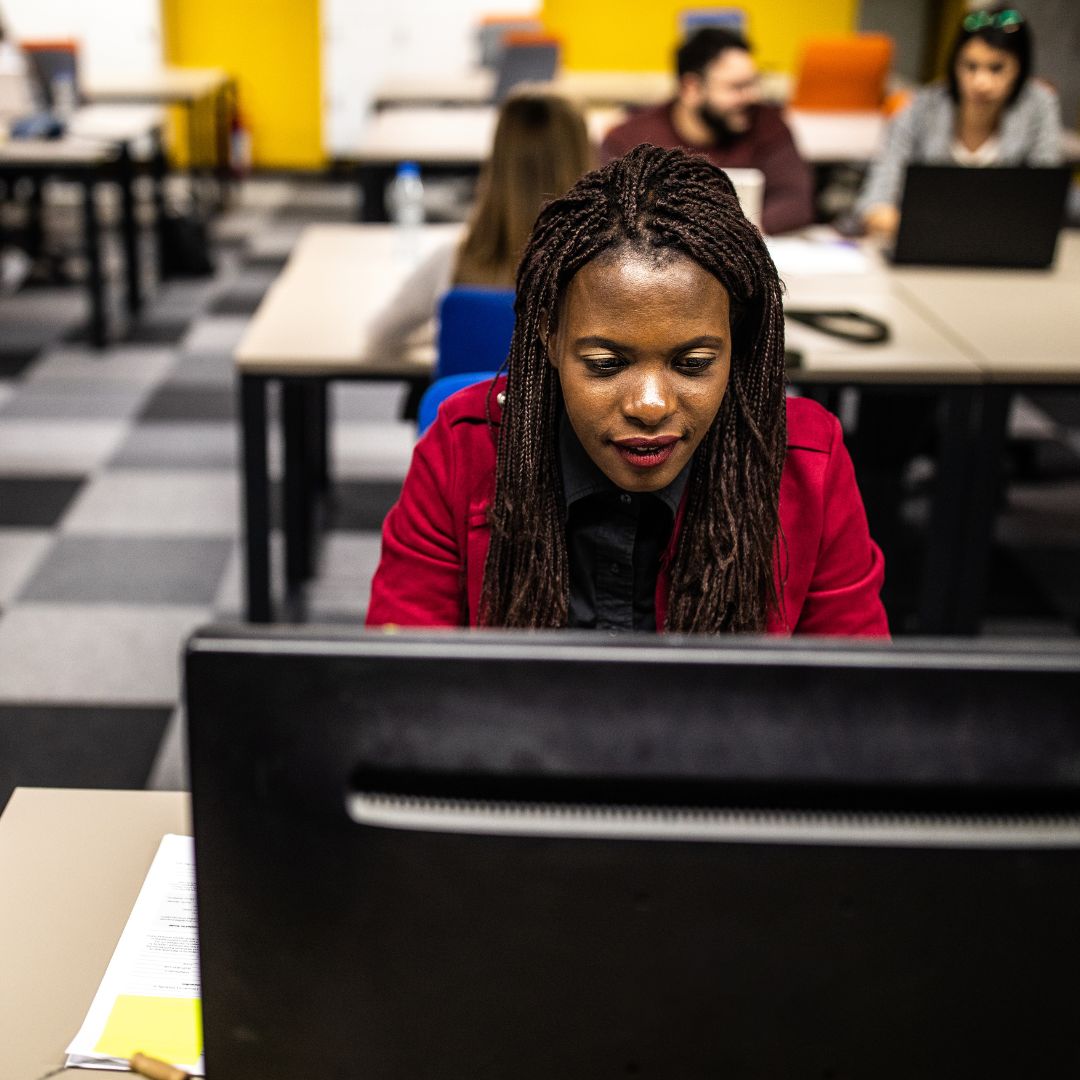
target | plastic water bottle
[
  {"x": 64, "y": 98},
  {"x": 406, "y": 204}
]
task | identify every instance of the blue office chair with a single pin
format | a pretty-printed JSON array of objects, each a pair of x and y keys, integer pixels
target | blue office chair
[
  {"x": 439, "y": 391},
  {"x": 475, "y": 327}
]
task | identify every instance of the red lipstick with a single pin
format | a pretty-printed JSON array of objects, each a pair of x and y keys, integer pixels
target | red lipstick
[{"x": 646, "y": 453}]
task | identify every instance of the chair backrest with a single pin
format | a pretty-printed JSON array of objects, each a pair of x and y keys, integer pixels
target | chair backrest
[
  {"x": 526, "y": 57},
  {"x": 475, "y": 327},
  {"x": 55, "y": 69},
  {"x": 724, "y": 18},
  {"x": 843, "y": 73},
  {"x": 439, "y": 391},
  {"x": 492, "y": 30}
]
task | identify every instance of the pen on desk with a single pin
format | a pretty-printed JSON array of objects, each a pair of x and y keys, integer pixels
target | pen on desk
[{"x": 154, "y": 1069}]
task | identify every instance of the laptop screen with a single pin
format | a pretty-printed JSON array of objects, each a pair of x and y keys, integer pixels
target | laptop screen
[{"x": 953, "y": 215}]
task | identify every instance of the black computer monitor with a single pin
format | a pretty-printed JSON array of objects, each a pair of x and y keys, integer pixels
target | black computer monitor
[{"x": 539, "y": 856}]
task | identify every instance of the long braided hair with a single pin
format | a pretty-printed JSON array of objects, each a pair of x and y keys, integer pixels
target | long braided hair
[{"x": 651, "y": 201}]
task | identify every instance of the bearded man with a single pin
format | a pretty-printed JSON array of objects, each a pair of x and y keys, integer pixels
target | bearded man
[{"x": 719, "y": 112}]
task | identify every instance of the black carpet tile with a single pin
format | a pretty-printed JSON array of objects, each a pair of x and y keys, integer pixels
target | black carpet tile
[
  {"x": 37, "y": 502},
  {"x": 106, "y": 746},
  {"x": 236, "y": 303},
  {"x": 13, "y": 361},
  {"x": 359, "y": 506}
]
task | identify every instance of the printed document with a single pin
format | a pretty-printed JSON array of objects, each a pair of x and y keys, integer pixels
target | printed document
[{"x": 148, "y": 1000}]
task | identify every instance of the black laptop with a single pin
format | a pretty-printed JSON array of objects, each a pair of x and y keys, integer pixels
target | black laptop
[{"x": 953, "y": 215}]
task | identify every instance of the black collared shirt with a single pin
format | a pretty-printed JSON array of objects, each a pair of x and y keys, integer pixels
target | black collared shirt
[{"x": 614, "y": 541}]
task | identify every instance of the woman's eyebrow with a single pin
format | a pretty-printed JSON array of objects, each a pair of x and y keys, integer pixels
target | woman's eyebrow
[{"x": 702, "y": 341}]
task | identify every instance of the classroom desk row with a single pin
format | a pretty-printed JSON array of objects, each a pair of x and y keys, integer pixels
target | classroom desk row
[
  {"x": 621, "y": 88},
  {"x": 458, "y": 138},
  {"x": 964, "y": 335},
  {"x": 103, "y": 144}
]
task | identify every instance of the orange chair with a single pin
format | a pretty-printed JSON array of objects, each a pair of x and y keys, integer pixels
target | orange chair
[{"x": 843, "y": 73}]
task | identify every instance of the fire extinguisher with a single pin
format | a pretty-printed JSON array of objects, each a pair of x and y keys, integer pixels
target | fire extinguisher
[{"x": 239, "y": 145}]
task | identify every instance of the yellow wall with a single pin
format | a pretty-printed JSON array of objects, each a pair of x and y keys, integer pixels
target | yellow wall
[
  {"x": 271, "y": 47},
  {"x": 641, "y": 35}
]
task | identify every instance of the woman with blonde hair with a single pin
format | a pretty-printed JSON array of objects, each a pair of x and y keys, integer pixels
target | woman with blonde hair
[{"x": 541, "y": 147}]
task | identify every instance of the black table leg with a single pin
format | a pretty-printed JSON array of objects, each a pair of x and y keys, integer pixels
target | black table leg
[
  {"x": 130, "y": 230},
  {"x": 256, "y": 498},
  {"x": 299, "y": 498},
  {"x": 371, "y": 182},
  {"x": 946, "y": 535},
  {"x": 95, "y": 282},
  {"x": 159, "y": 168},
  {"x": 984, "y": 486}
]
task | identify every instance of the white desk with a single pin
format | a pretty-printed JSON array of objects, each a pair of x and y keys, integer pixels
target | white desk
[
  {"x": 207, "y": 94},
  {"x": 632, "y": 89},
  {"x": 450, "y": 139},
  {"x": 71, "y": 865}
]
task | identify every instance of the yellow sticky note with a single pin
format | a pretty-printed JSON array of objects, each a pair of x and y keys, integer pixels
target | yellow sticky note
[{"x": 169, "y": 1029}]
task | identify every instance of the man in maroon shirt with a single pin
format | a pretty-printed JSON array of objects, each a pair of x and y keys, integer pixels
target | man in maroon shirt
[{"x": 718, "y": 112}]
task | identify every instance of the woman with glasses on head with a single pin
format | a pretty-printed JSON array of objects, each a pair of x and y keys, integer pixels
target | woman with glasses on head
[
  {"x": 639, "y": 467},
  {"x": 988, "y": 111}
]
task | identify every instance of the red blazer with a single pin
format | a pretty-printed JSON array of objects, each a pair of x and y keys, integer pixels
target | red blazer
[{"x": 435, "y": 538}]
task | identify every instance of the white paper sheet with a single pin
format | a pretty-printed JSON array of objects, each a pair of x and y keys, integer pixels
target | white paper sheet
[
  {"x": 801, "y": 255},
  {"x": 154, "y": 970}
]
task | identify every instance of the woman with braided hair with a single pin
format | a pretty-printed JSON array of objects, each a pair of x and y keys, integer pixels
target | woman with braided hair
[{"x": 638, "y": 466}]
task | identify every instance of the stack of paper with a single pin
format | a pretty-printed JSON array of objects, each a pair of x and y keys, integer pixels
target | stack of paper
[{"x": 148, "y": 1000}]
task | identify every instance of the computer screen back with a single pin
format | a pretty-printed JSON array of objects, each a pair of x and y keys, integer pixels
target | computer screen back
[
  {"x": 959, "y": 216},
  {"x": 555, "y": 855}
]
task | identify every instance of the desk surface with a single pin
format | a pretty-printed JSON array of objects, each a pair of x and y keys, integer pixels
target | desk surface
[
  {"x": 71, "y": 866},
  {"x": 458, "y": 135},
  {"x": 315, "y": 318},
  {"x": 1023, "y": 325},
  {"x": 462, "y": 134},
  {"x": 69, "y": 152},
  {"x": 116, "y": 123},
  {"x": 167, "y": 85},
  {"x": 476, "y": 87}
]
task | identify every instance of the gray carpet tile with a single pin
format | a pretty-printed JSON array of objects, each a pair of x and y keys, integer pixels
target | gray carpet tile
[
  {"x": 68, "y": 398},
  {"x": 36, "y": 502},
  {"x": 203, "y": 368},
  {"x": 158, "y": 502},
  {"x": 205, "y": 444},
  {"x": 94, "y": 653},
  {"x": 124, "y": 363},
  {"x": 215, "y": 333},
  {"x": 188, "y": 402},
  {"x": 21, "y": 550},
  {"x": 112, "y": 746},
  {"x": 130, "y": 570},
  {"x": 50, "y": 447},
  {"x": 367, "y": 401}
]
